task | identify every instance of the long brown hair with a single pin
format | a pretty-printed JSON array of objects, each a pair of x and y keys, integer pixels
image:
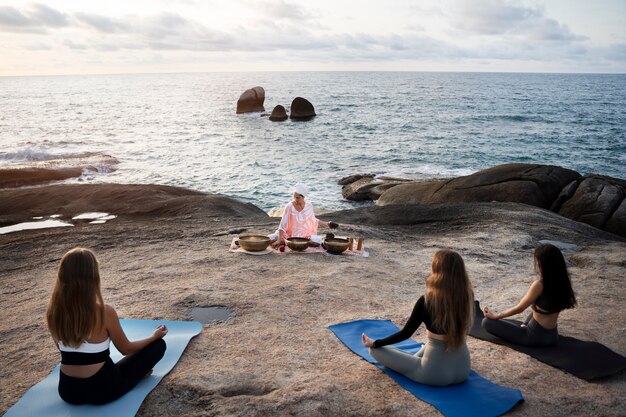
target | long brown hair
[
  {"x": 76, "y": 306},
  {"x": 557, "y": 286},
  {"x": 449, "y": 297}
]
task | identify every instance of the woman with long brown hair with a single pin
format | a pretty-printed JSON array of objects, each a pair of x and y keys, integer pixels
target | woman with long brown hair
[
  {"x": 446, "y": 309},
  {"x": 83, "y": 326},
  {"x": 547, "y": 296}
]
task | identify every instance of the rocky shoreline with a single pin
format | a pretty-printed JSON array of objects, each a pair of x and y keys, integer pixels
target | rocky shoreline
[
  {"x": 166, "y": 252},
  {"x": 597, "y": 200}
]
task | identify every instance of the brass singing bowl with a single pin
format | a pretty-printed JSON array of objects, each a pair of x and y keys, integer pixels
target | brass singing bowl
[
  {"x": 254, "y": 243},
  {"x": 297, "y": 243},
  {"x": 336, "y": 244}
]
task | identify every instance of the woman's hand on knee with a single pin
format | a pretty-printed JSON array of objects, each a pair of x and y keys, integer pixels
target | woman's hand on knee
[
  {"x": 490, "y": 314},
  {"x": 160, "y": 332},
  {"x": 368, "y": 342}
]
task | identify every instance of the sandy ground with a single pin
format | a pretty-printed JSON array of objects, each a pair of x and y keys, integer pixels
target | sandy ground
[{"x": 277, "y": 356}]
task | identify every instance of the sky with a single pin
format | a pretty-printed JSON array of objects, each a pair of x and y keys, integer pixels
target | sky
[{"x": 159, "y": 36}]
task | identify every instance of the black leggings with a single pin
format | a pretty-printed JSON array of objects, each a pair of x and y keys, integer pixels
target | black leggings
[
  {"x": 112, "y": 380},
  {"x": 532, "y": 334}
]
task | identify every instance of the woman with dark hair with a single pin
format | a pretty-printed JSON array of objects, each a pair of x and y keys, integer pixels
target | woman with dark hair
[
  {"x": 547, "y": 297},
  {"x": 83, "y": 327},
  {"x": 446, "y": 309}
]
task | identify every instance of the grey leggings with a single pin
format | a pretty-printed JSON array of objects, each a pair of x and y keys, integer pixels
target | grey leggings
[
  {"x": 432, "y": 365},
  {"x": 531, "y": 334}
]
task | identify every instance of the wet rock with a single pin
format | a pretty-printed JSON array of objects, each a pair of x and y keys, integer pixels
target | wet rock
[
  {"x": 279, "y": 114},
  {"x": 251, "y": 100},
  {"x": 302, "y": 109}
]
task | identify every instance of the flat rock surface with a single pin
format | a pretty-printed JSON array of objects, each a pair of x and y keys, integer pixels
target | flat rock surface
[{"x": 160, "y": 258}]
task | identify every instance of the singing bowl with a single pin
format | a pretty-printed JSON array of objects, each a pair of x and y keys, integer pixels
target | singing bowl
[
  {"x": 254, "y": 243},
  {"x": 336, "y": 245},
  {"x": 297, "y": 243}
]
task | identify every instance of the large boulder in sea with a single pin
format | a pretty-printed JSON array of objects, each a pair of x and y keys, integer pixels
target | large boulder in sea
[
  {"x": 536, "y": 185},
  {"x": 251, "y": 100},
  {"x": 302, "y": 109},
  {"x": 279, "y": 114},
  {"x": 597, "y": 200}
]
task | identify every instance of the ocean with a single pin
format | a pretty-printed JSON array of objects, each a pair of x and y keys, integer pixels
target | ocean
[{"x": 182, "y": 130}]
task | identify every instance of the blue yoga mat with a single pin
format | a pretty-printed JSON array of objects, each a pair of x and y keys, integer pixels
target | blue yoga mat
[
  {"x": 43, "y": 399},
  {"x": 474, "y": 397}
]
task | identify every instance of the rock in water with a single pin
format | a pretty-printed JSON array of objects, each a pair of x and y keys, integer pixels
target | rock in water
[
  {"x": 251, "y": 100},
  {"x": 278, "y": 114},
  {"x": 302, "y": 109}
]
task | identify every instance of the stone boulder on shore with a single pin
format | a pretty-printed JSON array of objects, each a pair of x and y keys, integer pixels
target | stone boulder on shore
[
  {"x": 533, "y": 184},
  {"x": 363, "y": 187},
  {"x": 596, "y": 200},
  {"x": 251, "y": 100}
]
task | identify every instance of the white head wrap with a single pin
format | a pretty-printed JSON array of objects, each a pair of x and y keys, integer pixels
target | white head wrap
[{"x": 300, "y": 189}]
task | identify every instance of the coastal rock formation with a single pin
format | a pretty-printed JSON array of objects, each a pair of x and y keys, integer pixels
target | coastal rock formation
[
  {"x": 251, "y": 100},
  {"x": 166, "y": 253},
  {"x": 536, "y": 185},
  {"x": 279, "y": 114},
  {"x": 301, "y": 109},
  {"x": 119, "y": 199},
  {"x": 39, "y": 172},
  {"x": 599, "y": 201},
  {"x": 595, "y": 200}
]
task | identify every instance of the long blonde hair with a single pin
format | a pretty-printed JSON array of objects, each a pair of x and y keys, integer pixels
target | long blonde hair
[
  {"x": 449, "y": 297},
  {"x": 76, "y": 306}
]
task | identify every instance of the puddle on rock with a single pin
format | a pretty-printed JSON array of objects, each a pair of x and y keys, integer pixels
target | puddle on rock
[
  {"x": 211, "y": 314},
  {"x": 97, "y": 217},
  {"x": 33, "y": 226}
]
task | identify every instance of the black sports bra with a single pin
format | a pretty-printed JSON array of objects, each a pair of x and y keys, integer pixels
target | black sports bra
[{"x": 542, "y": 305}]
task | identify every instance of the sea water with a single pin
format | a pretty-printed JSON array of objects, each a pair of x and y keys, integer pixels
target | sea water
[{"x": 182, "y": 130}]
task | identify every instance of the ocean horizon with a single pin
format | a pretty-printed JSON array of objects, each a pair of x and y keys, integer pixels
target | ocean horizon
[{"x": 182, "y": 130}]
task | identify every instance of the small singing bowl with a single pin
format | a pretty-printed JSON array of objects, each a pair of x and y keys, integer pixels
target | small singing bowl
[
  {"x": 336, "y": 244},
  {"x": 254, "y": 243},
  {"x": 297, "y": 243}
]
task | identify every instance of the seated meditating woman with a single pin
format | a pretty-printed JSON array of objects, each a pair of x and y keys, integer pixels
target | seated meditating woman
[
  {"x": 82, "y": 327},
  {"x": 299, "y": 219},
  {"x": 547, "y": 297},
  {"x": 446, "y": 308}
]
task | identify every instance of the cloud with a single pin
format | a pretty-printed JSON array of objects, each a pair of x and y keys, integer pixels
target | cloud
[
  {"x": 617, "y": 52},
  {"x": 102, "y": 24},
  {"x": 281, "y": 9},
  {"x": 35, "y": 20},
  {"x": 502, "y": 17},
  {"x": 48, "y": 16}
]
